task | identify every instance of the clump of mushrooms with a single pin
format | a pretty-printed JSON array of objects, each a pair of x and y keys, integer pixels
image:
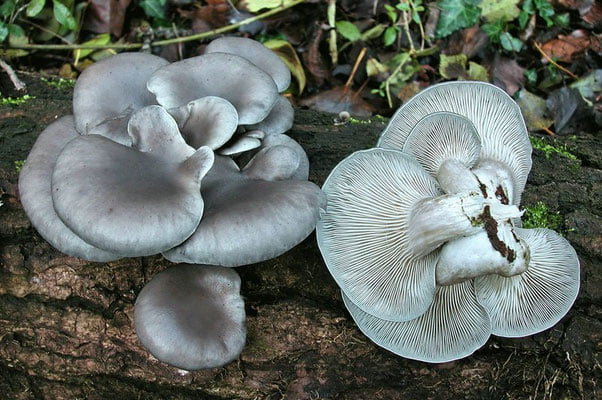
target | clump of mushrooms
[
  {"x": 187, "y": 159},
  {"x": 423, "y": 236}
]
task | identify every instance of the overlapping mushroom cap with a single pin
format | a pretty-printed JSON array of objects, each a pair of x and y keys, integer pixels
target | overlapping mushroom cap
[
  {"x": 189, "y": 159},
  {"x": 420, "y": 232}
]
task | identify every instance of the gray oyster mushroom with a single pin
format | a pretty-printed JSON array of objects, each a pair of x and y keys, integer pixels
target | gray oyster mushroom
[
  {"x": 192, "y": 316},
  {"x": 422, "y": 233},
  {"x": 189, "y": 159}
]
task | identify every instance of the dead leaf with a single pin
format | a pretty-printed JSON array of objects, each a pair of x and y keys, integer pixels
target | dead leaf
[
  {"x": 507, "y": 74},
  {"x": 207, "y": 17},
  {"x": 566, "y": 106},
  {"x": 565, "y": 47},
  {"x": 469, "y": 41},
  {"x": 534, "y": 111},
  {"x": 288, "y": 55},
  {"x": 106, "y": 16},
  {"x": 339, "y": 99},
  {"x": 312, "y": 58}
]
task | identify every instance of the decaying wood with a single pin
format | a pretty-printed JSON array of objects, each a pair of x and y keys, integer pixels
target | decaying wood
[{"x": 66, "y": 327}]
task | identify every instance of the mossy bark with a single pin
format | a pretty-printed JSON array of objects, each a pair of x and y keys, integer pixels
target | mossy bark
[{"x": 66, "y": 327}]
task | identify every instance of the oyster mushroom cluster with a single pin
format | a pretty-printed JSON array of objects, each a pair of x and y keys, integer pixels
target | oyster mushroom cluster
[
  {"x": 188, "y": 159},
  {"x": 423, "y": 232}
]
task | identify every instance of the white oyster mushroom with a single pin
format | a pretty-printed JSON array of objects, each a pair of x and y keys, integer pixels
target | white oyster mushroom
[{"x": 424, "y": 242}]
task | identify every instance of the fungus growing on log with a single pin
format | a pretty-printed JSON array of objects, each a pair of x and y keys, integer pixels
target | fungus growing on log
[
  {"x": 421, "y": 232},
  {"x": 188, "y": 159}
]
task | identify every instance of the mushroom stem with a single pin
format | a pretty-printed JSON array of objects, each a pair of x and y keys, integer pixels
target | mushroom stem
[
  {"x": 497, "y": 251},
  {"x": 454, "y": 177}
]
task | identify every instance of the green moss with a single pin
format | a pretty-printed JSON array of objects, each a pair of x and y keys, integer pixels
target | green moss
[
  {"x": 548, "y": 149},
  {"x": 540, "y": 216},
  {"x": 59, "y": 83},
  {"x": 15, "y": 101}
]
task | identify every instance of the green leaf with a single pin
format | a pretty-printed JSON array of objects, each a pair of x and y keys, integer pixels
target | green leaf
[
  {"x": 494, "y": 31},
  {"x": 562, "y": 20},
  {"x": 455, "y": 15},
  {"x": 403, "y": 7},
  {"x": 348, "y": 31},
  {"x": 257, "y": 5},
  {"x": 373, "y": 32},
  {"x": 288, "y": 55},
  {"x": 390, "y": 36},
  {"x": 375, "y": 68},
  {"x": 101, "y": 39},
  {"x": 523, "y": 19},
  {"x": 3, "y": 31},
  {"x": 528, "y": 7},
  {"x": 154, "y": 8},
  {"x": 391, "y": 13},
  {"x": 35, "y": 7},
  {"x": 7, "y": 8},
  {"x": 499, "y": 10},
  {"x": 545, "y": 11},
  {"x": 15, "y": 30},
  {"x": 531, "y": 76},
  {"x": 510, "y": 43},
  {"x": 63, "y": 15}
]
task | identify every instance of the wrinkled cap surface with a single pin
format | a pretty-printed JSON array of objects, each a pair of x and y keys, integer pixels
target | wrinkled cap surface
[
  {"x": 36, "y": 194},
  {"x": 496, "y": 117},
  {"x": 363, "y": 235},
  {"x": 255, "y": 52},
  {"x": 249, "y": 220},
  {"x": 132, "y": 201},
  {"x": 251, "y": 91},
  {"x": 192, "y": 316},
  {"x": 110, "y": 90}
]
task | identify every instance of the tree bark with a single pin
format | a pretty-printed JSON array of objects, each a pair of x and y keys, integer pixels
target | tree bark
[{"x": 66, "y": 327}]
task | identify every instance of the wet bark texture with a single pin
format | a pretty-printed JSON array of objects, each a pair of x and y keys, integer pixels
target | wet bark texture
[{"x": 66, "y": 328}]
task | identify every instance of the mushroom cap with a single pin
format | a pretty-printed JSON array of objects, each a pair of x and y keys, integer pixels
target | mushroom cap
[
  {"x": 279, "y": 120},
  {"x": 453, "y": 327},
  {"x": 249, "y": 220},
  {"x": 36, "y": 193},
  {"x": 109, "y": 91},
  {"x": 192, "y": 316},
  {"x": 209, "y": 121},
  {"x": 363, "y": 235},
  {"x": 538, "y": 298},
  {"x": 251, "y": 91},
  {"x": 443, "y": 136},
  {"x": 255, "y": 52},
  {"x": 137, "y": 200},
  {"x": 495, "y": 115},
  {"x": 280, "y": 158}
]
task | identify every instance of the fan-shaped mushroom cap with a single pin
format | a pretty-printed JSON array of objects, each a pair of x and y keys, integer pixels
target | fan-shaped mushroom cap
[
  {"x": 246, "y": 142},
  {"x": 36, "y": 193},
  {"x": 280, "y": 157},
  {"x": 443, "y": 136},
  {"x": 363, "y": 235},
  {"x": 136, "y": 200},
  {"x": 539, "y": 297},
  {"x": 192, "y": 316},
  {"x": 255, "y": 52},
  {"x": 109, "y": 91},
  {"x": 250, "y": 90},
  {"x": 249, "y": 220},
  {"x": 279, "y": 120},
  {"x": 453, "y": 327},
  {"x": 495, "y": 115},
  {"x": 209, "y": 121}
]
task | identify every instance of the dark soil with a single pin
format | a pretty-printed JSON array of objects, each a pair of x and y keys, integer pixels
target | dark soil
[{"x": 66, "y": 327}]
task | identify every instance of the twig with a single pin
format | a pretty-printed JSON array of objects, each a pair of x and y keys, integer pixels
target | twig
[
  {"x": 12, "y": 75},
  {"x": 129, "y": 46},
  {"x": 554, "y": 63},
  {"x": 358, "y": 60}
]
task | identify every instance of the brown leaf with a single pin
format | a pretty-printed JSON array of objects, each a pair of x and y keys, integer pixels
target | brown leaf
[
  {"x": 106, "y": 16},
  {"x": 565, "y": 47},
  {"x": 470, "y": 41},
  {"x": 507, "y": 74},
  {"x": 313, "y": 60},
  {"x": 339, "y": 99}
]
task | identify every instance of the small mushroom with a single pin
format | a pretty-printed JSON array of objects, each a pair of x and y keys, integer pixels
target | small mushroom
[
  {"x": 250, "y": 90},
  {"x": 209, "y": 121},
  {"x": 255, "y": 52},
  {"x": 192, "y": 316},
  {"x": 137, "y": 200},
  {"x": 35, "y": 193},
  {"x": 109, "y": 91}
]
